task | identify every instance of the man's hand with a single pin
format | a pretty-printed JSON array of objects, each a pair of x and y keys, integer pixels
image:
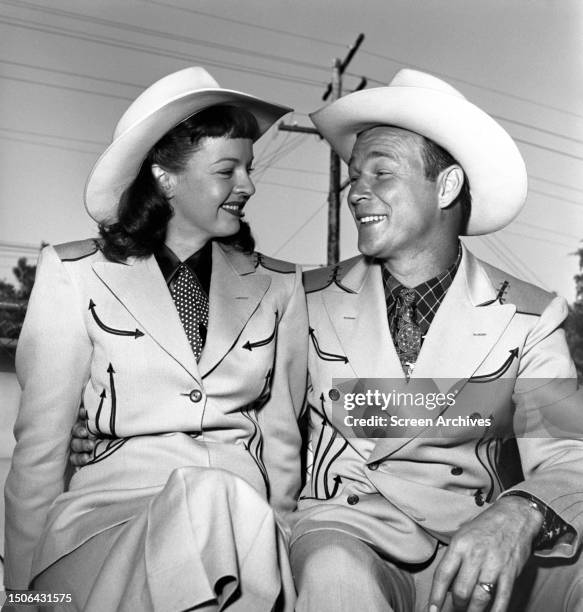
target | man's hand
[
  {"x": 82, "y": 443},
  {"x": 492, "y": 549}
]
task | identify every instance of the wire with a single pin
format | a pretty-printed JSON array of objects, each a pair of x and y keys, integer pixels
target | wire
[
  {"x": 554, "y": 197},
  {"x": 297, "y": 231},
  {"x": 545, "y": 229},
  {"x": 75, "y": 74},
  {"x": 515, "y": 258},
  {"x": 46, "y": 144},
  {"x": 66, "y": 88},
  {"x": 487, "y": 241},
  {"x": 320, "y": 191},
  {"x": 174, "y": 36},
  {"x": 538, "y": 178},
  {"x": 538, "y": 239},
  {"x": 550, "y": 149},
  {"x": 465, "y": 81},
  {"x": 44, "y": 135},
  {"x": 246, "y": 23},
  {"x": 114, "y": 42}
]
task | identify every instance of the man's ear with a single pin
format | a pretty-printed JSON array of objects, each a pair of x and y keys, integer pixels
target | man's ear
[
  {"x": 164, "y": 179},
  {"x": 449, "y": 182}
]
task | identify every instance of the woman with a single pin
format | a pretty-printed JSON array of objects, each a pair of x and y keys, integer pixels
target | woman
[{"x": 188, "y": 353}]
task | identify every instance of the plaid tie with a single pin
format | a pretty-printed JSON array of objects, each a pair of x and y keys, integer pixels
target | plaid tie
[
  {"x": 193, "y": 308},
  {"x": 405, "y": 331}
]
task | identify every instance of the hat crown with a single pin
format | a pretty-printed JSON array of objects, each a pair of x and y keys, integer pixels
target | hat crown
[
  {"x": 161, "y": 92},
  {"x": 415, "y": 78}
]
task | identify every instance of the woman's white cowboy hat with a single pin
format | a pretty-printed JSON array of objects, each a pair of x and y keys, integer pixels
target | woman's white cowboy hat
[
  {"x": 424, "y": 104},
  {"x": 157, "y": 110}
]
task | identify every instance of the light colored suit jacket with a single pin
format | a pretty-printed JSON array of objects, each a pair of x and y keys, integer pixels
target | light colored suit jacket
[
  {"x": 497, "y": 346},
  {"x": 109, "y": 334}
]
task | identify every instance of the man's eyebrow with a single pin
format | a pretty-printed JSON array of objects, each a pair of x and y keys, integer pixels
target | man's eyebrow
[{"x": 376, "y": 154}]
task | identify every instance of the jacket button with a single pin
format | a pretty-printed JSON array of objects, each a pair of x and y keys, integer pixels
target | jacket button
[
  {"x": 195, "y": 395},
  {"x": 352, "y": 500},
  {"x": 457, "y": 470},
  {"x": 373, "y": 466},
  {"x": 334, "y": 394}
]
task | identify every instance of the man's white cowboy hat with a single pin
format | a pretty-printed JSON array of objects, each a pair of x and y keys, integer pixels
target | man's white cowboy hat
[
  {"x": 424, "y": 104},
  {"x": 157, "y": 110}
]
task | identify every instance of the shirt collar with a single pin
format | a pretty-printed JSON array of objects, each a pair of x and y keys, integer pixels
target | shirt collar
[{"x": 199, "y": 263}]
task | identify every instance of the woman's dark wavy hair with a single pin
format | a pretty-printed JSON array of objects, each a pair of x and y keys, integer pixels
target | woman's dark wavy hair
[{"x": 144, "y": 211}]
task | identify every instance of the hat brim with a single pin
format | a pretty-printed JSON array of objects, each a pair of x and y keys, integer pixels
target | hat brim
[
  {"x": 118, "y": 166},
  {"x": 486, "y": 152}
]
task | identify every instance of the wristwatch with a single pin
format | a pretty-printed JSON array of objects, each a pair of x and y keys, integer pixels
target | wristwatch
[{"x": 553, "y": 526}]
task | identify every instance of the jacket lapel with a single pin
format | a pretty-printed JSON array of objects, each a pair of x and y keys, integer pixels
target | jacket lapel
[
  {"x": 465, "y": 329},
  {"x": 359, "y": 317},
  {"x": 140, "y": 287},
  {"x": 235, "y": 292}
]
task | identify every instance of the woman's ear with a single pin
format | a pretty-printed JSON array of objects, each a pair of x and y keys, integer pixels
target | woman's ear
[
  {"x": 450, "y": 182},
  {"x": 164, "y": 180}
]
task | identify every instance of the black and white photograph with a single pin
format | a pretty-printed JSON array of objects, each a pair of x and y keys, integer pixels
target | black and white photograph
[{"x": 291, "y": 305}]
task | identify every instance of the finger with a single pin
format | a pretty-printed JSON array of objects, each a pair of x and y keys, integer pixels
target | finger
[
  {"x": 79, "y": 430},
  {"x": 83, "y": 413},
  {"x": 465, "y": 582},
  {"x": 503, "y": 593},
  {"x": 481, "y": 598},
  {"x": 82, "y": 446},
  {"x": 80, "y": 459},
  {"x": 442, "y": 578}
]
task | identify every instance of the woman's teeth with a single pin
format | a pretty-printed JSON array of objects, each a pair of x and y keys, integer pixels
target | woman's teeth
[{"x": 234, "y": 209}]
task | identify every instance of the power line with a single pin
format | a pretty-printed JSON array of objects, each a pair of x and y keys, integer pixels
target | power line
[
  {"x": 46, "y": 144},
  {"x": 545, "y": 229},
  {"x": 554, "y": 197},
  {"x": 466, "y": 82},
  {"x": 150, "y": 49},
  {"x": 558, "y": 184},
  {"x": 297, "y": 231},
  {"x": 320, "y": 191},
  {"x": 550, "y": 149},
  {"x": 537, "y": 238},
  {"x": 174, "y": 36},
  {"x": 74, "y": 74},
  {"x": 44, "y": 135},
  {"x": 247, "y": 23},
  {"x": 65, "y": 88},
  {"x": 513, "y": 256}
]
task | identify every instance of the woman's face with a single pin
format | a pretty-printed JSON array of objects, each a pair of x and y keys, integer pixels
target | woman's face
[{"x": 209, "y": 196}]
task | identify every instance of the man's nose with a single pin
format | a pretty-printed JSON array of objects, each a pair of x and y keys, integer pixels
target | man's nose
[{"x": 359, "y": 191}]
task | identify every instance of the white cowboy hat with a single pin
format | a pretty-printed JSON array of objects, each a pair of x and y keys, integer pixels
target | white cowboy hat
[
  {"x": 424, "y": 104},
  {"x": 157, "y": 110}
]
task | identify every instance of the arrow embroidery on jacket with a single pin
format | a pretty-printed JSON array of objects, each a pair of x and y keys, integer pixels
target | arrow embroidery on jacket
[
  {"x": 251, "y": 345},
  {"x": 110, "y": 330},
  {"x": 111, "y": 446},
  {"x": 484, "y": 378},
  {"x": 323, "y": 354},
  {"x": 337, "y": 479},
  {"x": 102, "y": 396},
  {"x": 256, "y": 450},
  {"x": 111, "y": 372}
]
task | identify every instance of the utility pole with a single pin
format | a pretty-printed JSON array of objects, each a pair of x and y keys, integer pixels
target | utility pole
[{"x": 333, "y": 89}]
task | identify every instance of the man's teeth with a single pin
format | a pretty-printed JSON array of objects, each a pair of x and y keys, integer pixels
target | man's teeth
[
  {"x": 234, "y": 207},
  {"x": 372, "y": 219}
]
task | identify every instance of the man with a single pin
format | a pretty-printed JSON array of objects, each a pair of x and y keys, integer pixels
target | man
[{"x": 397, "y": 519}]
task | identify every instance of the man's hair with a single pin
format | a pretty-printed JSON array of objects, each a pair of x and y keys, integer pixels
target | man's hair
[
  {"x": 436, "y": 159},
  {"x": 144, "y": 210}
]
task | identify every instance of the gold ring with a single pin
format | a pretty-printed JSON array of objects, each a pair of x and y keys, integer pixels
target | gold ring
[{"x": 487, "y": 586}]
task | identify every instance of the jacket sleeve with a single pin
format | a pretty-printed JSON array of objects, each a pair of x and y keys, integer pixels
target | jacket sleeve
[
  {"x": 282, "y": 439},
  {"x": 52, "y": 365},
  {"x": 550, "y": 408}
]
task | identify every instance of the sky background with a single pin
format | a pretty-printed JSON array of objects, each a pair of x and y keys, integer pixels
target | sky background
[{"x": 68, "y": 70}]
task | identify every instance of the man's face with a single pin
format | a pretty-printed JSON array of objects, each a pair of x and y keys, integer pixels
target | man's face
[{"x": 396, "y": 209}]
